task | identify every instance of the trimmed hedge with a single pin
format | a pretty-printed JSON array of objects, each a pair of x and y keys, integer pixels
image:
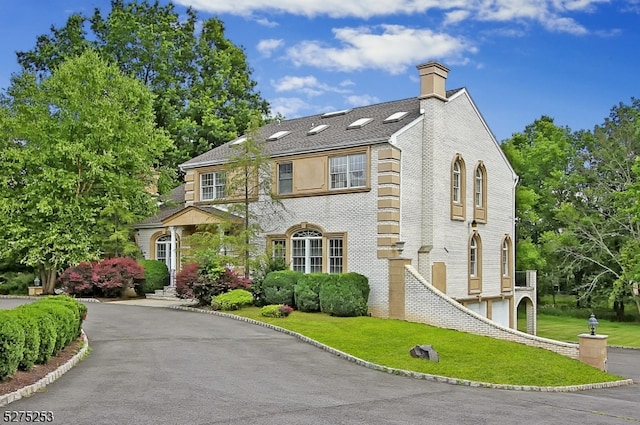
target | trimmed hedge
[
  {"x": 273, "y": 310},
  {"x": 156, "y": 276},
  {"x": 307, "y": 291},
  {"x": 345, "y": 296},
  {"x": 232, "y": 300},
  {"x": 11, "y": 344},
  {"x": 46, "y": 329},
  {"x": 278, "y": 287},
  {"x": 31, "y": 338}
]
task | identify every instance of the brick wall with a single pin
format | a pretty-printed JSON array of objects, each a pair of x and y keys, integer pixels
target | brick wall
[{"x": 425, "y": 304}]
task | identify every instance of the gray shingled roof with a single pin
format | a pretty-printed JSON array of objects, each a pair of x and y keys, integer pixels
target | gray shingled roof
[
  {"x": 335, "y": 136},
  {"x": 174, "y": 204}
]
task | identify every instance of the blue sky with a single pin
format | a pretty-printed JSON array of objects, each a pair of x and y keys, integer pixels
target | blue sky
[{"x": 520, "y": 59}]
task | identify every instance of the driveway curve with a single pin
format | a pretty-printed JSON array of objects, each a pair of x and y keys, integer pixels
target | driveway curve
[{"x": 163, "y": 366}]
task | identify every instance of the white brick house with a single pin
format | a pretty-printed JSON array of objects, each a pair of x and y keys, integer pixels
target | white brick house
[{"x": 421, "y": 179}]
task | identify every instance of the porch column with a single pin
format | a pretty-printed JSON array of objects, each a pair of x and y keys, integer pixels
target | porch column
[{"x": 172, "y": 271}]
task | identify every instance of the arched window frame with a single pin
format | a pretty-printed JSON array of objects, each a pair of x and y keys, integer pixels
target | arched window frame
[
  {"x": 458, "y": 188},
  {"x": 289, "y": 246},
  {"x": 506, "y": 264},
  {"x": 475, "y": 264},
  {"x": 480, "y": 193},
  {"x": 164, "y": 239}
]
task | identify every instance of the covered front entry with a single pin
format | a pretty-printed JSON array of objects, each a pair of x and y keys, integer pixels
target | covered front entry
[{"x": 181, "y": 224}]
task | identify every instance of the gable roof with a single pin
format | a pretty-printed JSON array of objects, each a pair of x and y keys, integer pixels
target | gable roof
[{"x": 293, "y": 136}]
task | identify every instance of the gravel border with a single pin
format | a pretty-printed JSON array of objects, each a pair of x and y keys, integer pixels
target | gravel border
[
  {"x": 49, "y": 378},
  {"x": 408, "y": 373}
]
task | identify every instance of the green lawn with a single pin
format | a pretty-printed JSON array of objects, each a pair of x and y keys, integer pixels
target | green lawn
[
  {"x": 387, "y": 342},
  {"x": 563, "y": 328}
]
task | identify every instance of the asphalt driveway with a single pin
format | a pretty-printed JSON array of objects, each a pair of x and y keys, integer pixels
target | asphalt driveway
[{"x": 160, "y": 366}]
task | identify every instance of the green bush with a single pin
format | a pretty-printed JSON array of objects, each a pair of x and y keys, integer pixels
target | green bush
[
  {"x": 79, "y": 310},
  {"x": 232, "y": 300},
  {"x": 11, "y": 344},
  {"x": 15, "y": 283},
  {"x": 63, "y": 319},
  {"x": 346, "y": 296},
  {"x": 46, "y": 330},
  {"x": 307, "y": 290},
  {"x": 278, "y": 287},
  {"x": 275, "y": 310},
  {"x": 31, "y": 338},
  {"x": 262, "y": 267},
  {"x": 156, "y": 276}
]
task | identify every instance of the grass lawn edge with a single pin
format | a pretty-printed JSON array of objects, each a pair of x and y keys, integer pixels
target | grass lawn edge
[{"x": 408, "y": 373}]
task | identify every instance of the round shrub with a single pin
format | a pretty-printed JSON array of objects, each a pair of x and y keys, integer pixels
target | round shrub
[
  {"x": 79, "y": 309},
  {"x": 345, "y": 296},
  {"x": 11, "y": 344},
  {"x": 156, "y": 276},
  {"x": 31, "y": 338},
  {"x": 63, "y": 319},
  {"x": 185, "y": 279},
  {"x": 307, "y": 291},
  {"x": 232, "y": 300},
  {"x": 276, "y": 310},
  {"x": 278, "y": 287},
  {"x": 46, "y": 331},
  {"x": 114, "y": 276},
  {"x": 78, "y": 280}
]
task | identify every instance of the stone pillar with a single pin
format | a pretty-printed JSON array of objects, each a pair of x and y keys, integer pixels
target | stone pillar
[
  {"x": 396, "y": 287},
  {"x": 173, "y": 258},
  {"x": 593, "y": 350}
]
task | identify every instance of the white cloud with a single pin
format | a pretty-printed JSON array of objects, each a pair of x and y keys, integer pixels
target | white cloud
[
  {"x": 266, "y": 23},
  {"x": 308, "y": 85},
  {"x": 541, "y": 11},
  {"x": 361, "y": 100},
  {"x": 289, "y": 107},
  {"x": 266, "y": 47},
  {"x": 392, "y": 48}
]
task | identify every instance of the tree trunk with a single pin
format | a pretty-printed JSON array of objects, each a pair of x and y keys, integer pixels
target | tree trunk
[{"x": 48, "y": 275}]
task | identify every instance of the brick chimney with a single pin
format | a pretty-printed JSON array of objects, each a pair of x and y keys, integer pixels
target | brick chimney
[{"x": 432, "y": 80}]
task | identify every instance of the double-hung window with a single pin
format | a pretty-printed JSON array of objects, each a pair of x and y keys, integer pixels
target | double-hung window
[
  {"x": 348, "y": 171},
  {"x": 285, "y": 178},
  {"x": 212, "y": 186}
]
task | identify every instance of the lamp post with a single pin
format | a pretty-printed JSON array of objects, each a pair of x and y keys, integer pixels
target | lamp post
[
  {"x": 36, "y": 281},
  {"x": 593, "y": 324}
]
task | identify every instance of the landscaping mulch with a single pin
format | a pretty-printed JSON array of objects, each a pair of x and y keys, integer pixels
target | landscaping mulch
[{"x": 23, "y": 378}]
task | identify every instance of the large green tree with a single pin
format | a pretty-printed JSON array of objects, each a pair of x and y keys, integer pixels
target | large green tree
[
  {"x": 602, "y": 221},
  {"x": 204, "y": 94},
  {"x": 77, "y": 150},
  {"x": 541, "y": 156}
]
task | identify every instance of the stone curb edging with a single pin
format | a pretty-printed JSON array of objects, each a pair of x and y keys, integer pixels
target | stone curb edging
[
  {"x": 49, "y": 378},
  {"x": 408, "y": 373},
  {"x": 31, "y": 297}
]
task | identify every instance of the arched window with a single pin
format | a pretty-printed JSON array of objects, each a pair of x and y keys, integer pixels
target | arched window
[
  {"x": 306, "y": 251},
  {"x": 163, "y": 250},
  {"x": 458, "y": 176},
  {"x": 506, "y": 264},
  {"x": 480, "y": 194},
  {"x": 475, "y": 264}
]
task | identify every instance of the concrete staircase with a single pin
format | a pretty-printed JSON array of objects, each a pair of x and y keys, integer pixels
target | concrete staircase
[{"x": 168, "y": 293}]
